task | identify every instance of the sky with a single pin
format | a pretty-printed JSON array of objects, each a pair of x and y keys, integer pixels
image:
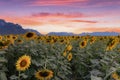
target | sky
[{"x": 74, "y": 16}]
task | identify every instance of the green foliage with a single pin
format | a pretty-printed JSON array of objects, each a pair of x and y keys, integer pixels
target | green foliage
[
  {"x": 91, "y": 62},
  {"x": 3, "y": 68},
  {"x": 44, "y": 56}
]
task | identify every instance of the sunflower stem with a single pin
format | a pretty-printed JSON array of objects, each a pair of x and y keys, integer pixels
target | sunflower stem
[
  {"x": 19, "y": 75},
  {"x": 45, "y": 67},
  {"x": 45, "y": 64}
]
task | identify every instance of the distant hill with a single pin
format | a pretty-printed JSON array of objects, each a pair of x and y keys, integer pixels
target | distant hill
[
  {"x": 101, "y": 34},
  {"x": 11, "y": 28},
  {"x": 61, "y": 33},
  {"x": 83, "y": 34}
]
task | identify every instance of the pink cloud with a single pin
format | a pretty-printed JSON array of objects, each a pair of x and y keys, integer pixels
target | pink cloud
[
  {"x": 62, "y": 15},
  {"x": 24, "y": 20},
  {"x": 46, "y": 18},
  {"x": 83, "y": 21},
  {"x": 54, "y": 2},
  {"x": 107, "y": 3},
  {"x": 74, "y": 3}
]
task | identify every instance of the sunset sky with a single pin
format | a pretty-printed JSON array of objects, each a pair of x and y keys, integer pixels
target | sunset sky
[{"x": 75, "y": 16}]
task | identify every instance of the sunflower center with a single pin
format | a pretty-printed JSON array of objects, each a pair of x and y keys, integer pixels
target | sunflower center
[
  {"x": 29, "y": 35},
  {"x": 14, "y": 37},
  {"x": 44, "y": 74},
  {"x": 23, "y": 63},
  {"x": 83, "y": 43},
  {"x": 0, "y": 37},
  {"x": 70, "y": 57},
  {"x": 19, "y": 41}
]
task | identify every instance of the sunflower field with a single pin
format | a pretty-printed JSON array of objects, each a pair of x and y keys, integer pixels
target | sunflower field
[{"x": 32, "y": 57}]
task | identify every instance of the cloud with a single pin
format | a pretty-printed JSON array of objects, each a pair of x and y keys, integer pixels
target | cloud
[
  {"x": 24, "y": 20},
  {"x": 106, "y": 3},
  {"x": 74, "y": 3},
  {"x": 54, "y": 2},
  {"x": 56, "y": 15},
  {"x": 83, "y": 21},
  {"x": 62, "y": 3},
  {"x": 42, "y": 18}
]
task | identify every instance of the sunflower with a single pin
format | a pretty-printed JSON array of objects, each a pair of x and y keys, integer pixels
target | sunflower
[
  {"x": 69, "y": 47},
  {"x": 0, "y": 37},
  {"x": 23, "y": 63},
  {"x": 111, "y": 45},
  {"x": 44, "y": 74},
  {"x": 47, "y": 41},
  {"x": 115, "y": 76},
  {"x": 6, "y": 42},
  {"x": 3, "y": 47},
  {"x": 62, "y": 41},
  {"x": 52, "y": 41},
  {"x": 14, "y": 37},
  {"x": 19, "y": 41},
  {"x": 83, "y": 44},
  {"x": 8, "y": 36},
  {"x": 92, "y": 40},
  {"x": 69, "y": 57},
  {"x": 64, "y": 54},
  {"x": 30, "y": 35},
  {"x": 10, "y": 41}
]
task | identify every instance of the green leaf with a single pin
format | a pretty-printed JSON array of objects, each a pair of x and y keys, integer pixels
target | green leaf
[
  {"x": 95, "y": 78},
  {"x": 13, "y": 77},
  {"x": 2, "y": 59},
  {"x": 3, "y": 76},
  {"x": 24, "y": 76},
  {"x": 2, "y": 52}
]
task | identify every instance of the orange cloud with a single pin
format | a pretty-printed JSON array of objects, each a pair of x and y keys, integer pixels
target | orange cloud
[
  {"x": 24, "y": 20},
  {"x": 95, "y": 29}
]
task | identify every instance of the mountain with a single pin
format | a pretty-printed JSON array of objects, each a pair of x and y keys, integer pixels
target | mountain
[
  {"x": 61, "y": 33},
  {"x": 101, "y": 34},
  {"x": 83, "y": 34},
  {"x": 11, "y": 28}
]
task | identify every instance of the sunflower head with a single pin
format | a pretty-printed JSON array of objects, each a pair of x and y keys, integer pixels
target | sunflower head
[
  {"x": 44, "y": 74},
  {"x": 92, "y": 40},
  {"x": 19, "y": 41},
  {"x": 23, "y": 63},
  {"x": 69, "y": 57},
  {"x": 111, "y": 45},
  {"x": 62, "y": 41},
  {"x": 64, "y": 54},
  {"x": 8, "y": 36},
  {"x": 14, "y": 37},
  {"x": 0, "y": 37},
  {"x": 30, "y": 35},
  {"x": 83, "y": 44},
  {"x": 115, "y": 76},
  {"x": 69, "y": 47}
]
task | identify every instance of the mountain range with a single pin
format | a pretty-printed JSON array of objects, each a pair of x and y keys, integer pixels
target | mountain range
[
  {"x": 11, "y": 28},
  {"x": 83, "y": 34}
]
